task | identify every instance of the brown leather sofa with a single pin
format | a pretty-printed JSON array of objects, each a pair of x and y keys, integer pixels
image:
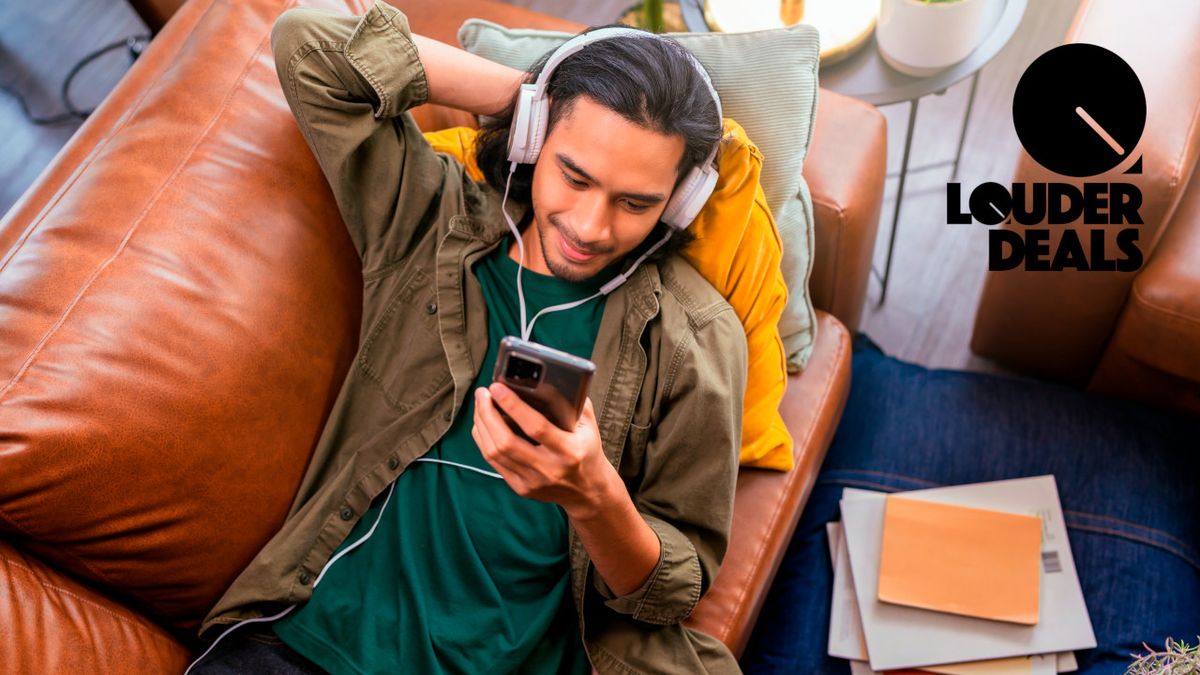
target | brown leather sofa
[
  {"x": 179, "y": 303},
  {"x": 1129, "y": 334}
]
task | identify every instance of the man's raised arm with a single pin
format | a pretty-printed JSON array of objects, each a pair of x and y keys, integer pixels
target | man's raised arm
[{"x": 345, "y": 79}]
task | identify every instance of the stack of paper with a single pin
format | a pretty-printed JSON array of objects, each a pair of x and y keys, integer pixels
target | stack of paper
[{"x": 964, "y": 580}]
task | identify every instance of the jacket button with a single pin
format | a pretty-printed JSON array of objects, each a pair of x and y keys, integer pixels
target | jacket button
[
  {"x": 431, "y": 308},
  {"x": 446, "y": 415},
  {"x": 393, "y": 463},
  {"x": 346, "y": 513},
  {"x": 304, "y": 578}
]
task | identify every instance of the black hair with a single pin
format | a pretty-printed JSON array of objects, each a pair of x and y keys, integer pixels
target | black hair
[{"x": 651, "y": 83}]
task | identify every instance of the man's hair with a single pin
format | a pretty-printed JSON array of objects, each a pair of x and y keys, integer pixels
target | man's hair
[{"x": 650, "y": 82}]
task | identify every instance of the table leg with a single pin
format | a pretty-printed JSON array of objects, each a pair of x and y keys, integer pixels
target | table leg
[
  {"x": 962, "y": 136},
  {"x": 887, "y": 269}
]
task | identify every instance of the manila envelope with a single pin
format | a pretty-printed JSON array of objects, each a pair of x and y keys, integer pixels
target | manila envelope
[{"x": 961, "y": 560}]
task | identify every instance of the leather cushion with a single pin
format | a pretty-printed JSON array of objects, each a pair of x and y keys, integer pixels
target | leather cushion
[
  {"x": 53, "y": 624},
  {"x": 158, "y": 410}
]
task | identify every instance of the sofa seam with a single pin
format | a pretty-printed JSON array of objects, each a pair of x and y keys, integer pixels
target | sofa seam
[
  {"x": 65, "y": 591},
  {"x": 82, "y": 562},
  {"x": 1166, "y": 312},
  {"x": 1128, "y": 523},
  {"x": 1139, "y": 539}
]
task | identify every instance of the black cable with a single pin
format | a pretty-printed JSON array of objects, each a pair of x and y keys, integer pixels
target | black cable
[{"x": 135, "y": 44}]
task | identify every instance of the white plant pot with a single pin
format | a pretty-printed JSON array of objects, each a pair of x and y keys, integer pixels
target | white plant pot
[{"x": 919, "y": 38}]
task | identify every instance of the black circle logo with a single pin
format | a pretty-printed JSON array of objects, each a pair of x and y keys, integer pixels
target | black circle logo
[{"x": 1079, "y": 110}]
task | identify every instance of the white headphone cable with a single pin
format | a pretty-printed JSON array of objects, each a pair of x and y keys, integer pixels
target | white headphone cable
[
  {"x": 461, "y": 466},
  {"x": 526, "y": 331},
  {"x": 280, "y": 615},
  {"x": 612, "y": 285}
]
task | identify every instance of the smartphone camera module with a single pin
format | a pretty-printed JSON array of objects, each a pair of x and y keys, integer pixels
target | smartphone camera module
[{"x": 523, "y": 372}]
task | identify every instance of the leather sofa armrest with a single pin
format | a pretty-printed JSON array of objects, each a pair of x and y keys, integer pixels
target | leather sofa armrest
[
  {"x": 769, "y": 503},
  {"x": 1056, "y": 325},
  {"x": 54, "y": 624},
  {"x": 845, "y": 170},
  {"x": 1154, "y": 355}
]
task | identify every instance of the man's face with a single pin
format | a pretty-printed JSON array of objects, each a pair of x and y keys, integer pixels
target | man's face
[{"x": 599, "y": 187}]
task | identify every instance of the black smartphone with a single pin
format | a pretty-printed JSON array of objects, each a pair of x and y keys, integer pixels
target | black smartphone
[{"x": 553, "y": 382}]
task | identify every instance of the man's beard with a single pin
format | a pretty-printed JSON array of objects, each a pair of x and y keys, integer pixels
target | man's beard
[{"x": 564, "y": 272}]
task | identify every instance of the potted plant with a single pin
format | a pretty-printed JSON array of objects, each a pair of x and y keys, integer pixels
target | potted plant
[
  {"x": 922, "y": 37},
  {"x": 655, "y": 16}
]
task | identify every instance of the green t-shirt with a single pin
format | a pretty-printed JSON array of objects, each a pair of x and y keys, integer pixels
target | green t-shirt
[{"x": 461, "y": 574}]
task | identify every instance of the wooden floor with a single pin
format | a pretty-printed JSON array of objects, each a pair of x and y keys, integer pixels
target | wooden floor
[{"x": 937, "y": 271}]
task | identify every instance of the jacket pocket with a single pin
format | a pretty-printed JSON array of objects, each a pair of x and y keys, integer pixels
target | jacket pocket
[
  {"x": 639, "y": 434},
  {"x": 633, "y": 457},
  {"x": 403, "y": 354}
]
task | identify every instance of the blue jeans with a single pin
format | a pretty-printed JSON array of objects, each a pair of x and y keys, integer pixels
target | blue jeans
[
  {"x": 1128, "y": 477},
  {"x": 255, "y": 649}
]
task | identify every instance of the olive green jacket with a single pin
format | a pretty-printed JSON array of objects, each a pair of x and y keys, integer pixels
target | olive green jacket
[{"x": 670, "y": 356}]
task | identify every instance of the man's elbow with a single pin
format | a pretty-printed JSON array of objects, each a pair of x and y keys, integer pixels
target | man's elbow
[{"x": 291, "y": 31}]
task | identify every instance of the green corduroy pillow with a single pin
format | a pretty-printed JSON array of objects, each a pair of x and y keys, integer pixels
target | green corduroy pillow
[{"x": 767, "y": 81}]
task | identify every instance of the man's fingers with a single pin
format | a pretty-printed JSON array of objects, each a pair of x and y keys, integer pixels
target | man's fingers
[
  {"x": 483, "y": 439},
  {"x": 533, "y": 423},
  {"x": 485, "y": 433},
  {"x": 504, "y": 441}
]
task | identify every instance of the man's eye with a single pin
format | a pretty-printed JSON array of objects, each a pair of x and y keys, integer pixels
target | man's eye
[
  {"x": 637, "y": 208},
  {"x": 573, "y": 182}
]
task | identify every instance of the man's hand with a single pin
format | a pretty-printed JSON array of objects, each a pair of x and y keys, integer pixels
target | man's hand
[{"x": 568, "y": 467}]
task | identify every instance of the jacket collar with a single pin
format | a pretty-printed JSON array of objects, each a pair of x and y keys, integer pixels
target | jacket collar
[{"x": 488, "y": 224}]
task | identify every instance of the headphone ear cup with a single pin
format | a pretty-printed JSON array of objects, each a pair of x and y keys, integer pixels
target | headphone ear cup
[
  {"x": 528, "y": 130},
  {"x": 537, "y": 125},
  {"x": 689, "y": 197},
  {"x": 524, "y": 125}
]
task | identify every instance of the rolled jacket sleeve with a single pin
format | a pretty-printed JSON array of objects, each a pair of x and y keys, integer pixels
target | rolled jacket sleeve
[
  {"x": 690, "y": 474},
  {"x": 349, "y": 82}
]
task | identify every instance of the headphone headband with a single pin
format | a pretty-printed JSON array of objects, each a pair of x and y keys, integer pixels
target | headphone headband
[
  {"x": 584, "y": 39},
  {"x": 532, "y": 113}
]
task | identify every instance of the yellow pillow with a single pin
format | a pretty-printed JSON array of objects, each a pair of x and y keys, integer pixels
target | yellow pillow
[{"x": 738, "y": 250}]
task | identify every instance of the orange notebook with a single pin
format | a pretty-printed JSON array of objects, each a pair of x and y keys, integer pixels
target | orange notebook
[{"x": 961, "y": 560}]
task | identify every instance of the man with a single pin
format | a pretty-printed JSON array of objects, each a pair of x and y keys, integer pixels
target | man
[{"x": 439, "y": 539}]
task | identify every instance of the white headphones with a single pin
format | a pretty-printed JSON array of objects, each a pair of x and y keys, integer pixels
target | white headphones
[{"x": 532, "y": 115}]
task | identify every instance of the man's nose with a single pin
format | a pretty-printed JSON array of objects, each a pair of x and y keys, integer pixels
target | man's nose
[{"x": 593, "y": 218}]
